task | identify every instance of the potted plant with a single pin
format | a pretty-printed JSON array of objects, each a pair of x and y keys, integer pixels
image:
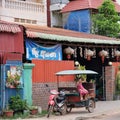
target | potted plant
[
  {"x": 33, "y": 110},
  {"x": 13, "y": 81},
  {"x": 17, "y": 104},
  {"x": 8, "y": 112}
]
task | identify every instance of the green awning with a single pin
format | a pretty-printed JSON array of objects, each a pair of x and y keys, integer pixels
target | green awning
[{"x": 71, "y": 39}]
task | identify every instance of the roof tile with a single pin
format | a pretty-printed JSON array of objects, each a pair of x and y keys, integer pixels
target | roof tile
[
  {"x": 9, "y": 27},
  {"x": 62, "y": 32},
  {"x": 86, "y": 4}
]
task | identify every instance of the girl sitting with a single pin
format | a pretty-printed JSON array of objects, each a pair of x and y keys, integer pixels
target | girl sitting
[{"x": 83, "y": 92}]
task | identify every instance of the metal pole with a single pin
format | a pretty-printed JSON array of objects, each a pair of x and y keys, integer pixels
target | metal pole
[
  {"x": 103, "y": 74},
  {"x": 57, "y": 81}
]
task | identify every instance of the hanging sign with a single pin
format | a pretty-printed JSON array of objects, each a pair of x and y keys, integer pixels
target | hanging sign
[{"x": 35, "y": 51}]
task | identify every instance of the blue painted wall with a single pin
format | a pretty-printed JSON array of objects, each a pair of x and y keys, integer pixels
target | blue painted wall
[
  {"x": 5, "y": 92},
  {"x": 78, "y": 21}
]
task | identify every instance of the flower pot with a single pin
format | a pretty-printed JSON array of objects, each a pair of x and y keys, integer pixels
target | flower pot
[
  {"x": 9, "y": 85},
  {"x": 16, "y": 83},
  {"x": 8, "y": 113},
  {"x": 33, "y": 111}
]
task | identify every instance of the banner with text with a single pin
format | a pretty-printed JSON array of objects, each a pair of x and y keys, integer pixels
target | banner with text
[{"x": 35, "y": 51}]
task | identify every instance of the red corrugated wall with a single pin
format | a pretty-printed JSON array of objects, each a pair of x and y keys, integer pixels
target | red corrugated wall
[
  {"x": 44, "y": 70},
  {"x": 12, "y": 42}
]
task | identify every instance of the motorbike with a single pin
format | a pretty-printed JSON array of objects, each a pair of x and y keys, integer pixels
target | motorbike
[{"x": 56, "y": 102}]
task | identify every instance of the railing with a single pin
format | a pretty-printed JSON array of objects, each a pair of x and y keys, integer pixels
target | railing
[
  {"x": 58, "y": 1},
  {"x": 24, "y": 5}
]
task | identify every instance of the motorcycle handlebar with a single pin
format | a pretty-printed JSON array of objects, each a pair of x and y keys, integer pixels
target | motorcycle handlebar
[{"x": 46, "y": 85}]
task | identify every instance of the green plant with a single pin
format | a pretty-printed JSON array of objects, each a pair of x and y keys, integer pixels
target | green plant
[
  {"x": 32, "y": 107},
  {"x": 105, "y": 22},
  {"x": 7, "y": 112},
  {"x": 17, "y": 104},
  {"x": 13, "y": 78},
  {"x": 77, "y": 77},
  {"x": 92, "y": 81}
]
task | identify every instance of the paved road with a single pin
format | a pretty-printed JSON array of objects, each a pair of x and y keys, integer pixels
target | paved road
[
  {"x": 112, "y": 117},
  {"x": 103, "y": 108},
  {"x": 102, "y": 117}
]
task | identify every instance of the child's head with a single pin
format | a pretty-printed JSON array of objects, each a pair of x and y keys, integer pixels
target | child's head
[{"x": 81, "y": 79}]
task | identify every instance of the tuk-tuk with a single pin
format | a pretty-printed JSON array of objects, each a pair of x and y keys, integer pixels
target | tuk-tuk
[{"x": 73, "y": 96}]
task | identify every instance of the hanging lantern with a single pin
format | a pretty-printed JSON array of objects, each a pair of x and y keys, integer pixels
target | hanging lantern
[
  {"x": 89, "y": 54},
  {"x": 69, "y": 51},
  {"x": 68, "y": 56},
  {"x": 103, "y": 58},
  {"x": 75, "y": 52},
  {"x": 103, "y": 54},
  {"x": 117, "y": 54},
  {"x": 81, "y": 51}
]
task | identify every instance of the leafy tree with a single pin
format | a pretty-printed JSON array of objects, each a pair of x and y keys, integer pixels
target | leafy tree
[{"x": 105, "y": 22}]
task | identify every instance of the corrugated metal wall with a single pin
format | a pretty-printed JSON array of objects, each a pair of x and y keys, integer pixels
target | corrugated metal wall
[
  {"x": 10, "y": 42},
  {"x": 9, "y": 56},
  {"x": 44, "y": 70}
]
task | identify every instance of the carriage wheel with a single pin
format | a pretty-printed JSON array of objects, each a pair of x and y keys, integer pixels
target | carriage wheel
[{"x": 90, "y": 107}]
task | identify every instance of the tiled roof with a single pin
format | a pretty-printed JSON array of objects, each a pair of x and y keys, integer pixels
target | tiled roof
[
  {"x": 9, "y": 27},
  {"x": 86, "y": 4},
  {"x": 66, "y": 35},
  {"x": 60, "y": 31}
]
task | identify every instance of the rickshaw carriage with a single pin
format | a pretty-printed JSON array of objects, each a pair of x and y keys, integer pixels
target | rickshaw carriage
[{"x": 73, "y": 98}]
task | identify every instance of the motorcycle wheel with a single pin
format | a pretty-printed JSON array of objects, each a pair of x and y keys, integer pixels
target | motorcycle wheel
[
  {"x": 50, "y": 109},
  {"x": 68, "y": 110},
  {"x": 63, "y": 109},
  {"x": 90, "y": 107}
]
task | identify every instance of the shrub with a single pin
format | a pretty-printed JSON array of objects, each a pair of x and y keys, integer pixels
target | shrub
[{"x": 17, "y": 104}]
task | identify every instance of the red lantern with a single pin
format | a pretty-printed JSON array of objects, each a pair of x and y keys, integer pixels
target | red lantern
[
  {"x": 103, "y": 54},
  {"x": 88, "y": 57},
  {"x": 69, "y": 51},
  {"x": 68, "y": 56},
  {"x": 103, "y": 58},
  {"x": 89, "y": 54},
  {"x": 117, "y": 54}
]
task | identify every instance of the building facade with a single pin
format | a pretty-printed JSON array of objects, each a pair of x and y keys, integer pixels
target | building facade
[
  {"x": 24, "y": 11},
  {"x": 75, "y": 14}
]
